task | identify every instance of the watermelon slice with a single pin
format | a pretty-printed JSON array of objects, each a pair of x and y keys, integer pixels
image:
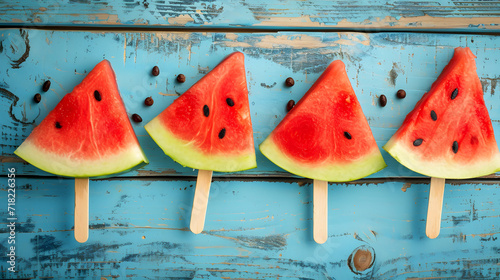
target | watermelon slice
[
  {"x": 88, "y": 134},
  {"x": 209, "y": 127},
  {"x": 326, "y": 135},
  {"x": 449, "y": 133}
]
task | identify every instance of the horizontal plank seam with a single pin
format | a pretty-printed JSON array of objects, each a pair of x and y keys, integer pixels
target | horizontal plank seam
[
  {"x": 244, "y": 30},
  {"x": 279, "y": 179}
]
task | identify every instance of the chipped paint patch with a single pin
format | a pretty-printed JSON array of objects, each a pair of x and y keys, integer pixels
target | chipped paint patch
[{"x": 180, "y": 20}]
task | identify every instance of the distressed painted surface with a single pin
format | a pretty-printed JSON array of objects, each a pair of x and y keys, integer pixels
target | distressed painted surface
[
  {"x": 378, "y": 63},
  {"x": 139, "y": 229},
  {"x": 468, "y": 16}
]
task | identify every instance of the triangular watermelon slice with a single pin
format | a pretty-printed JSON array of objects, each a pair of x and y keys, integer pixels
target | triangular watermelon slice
[
  {"x": 449, "y": 133},
  {"x": 209, "y": 126},
  {"x": 326, "y": 135},
  {"x": 88, "y": 134}
]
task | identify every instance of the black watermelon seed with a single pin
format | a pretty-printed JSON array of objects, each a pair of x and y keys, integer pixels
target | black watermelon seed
[
  {"x": 230, "y": 102},
  {"x": 58, "y": 125},
  {"x": 289, "y": 82},
  {"x": 97, "y": 95},
  {"x": 222, "y": 133},
  {"x": 454, "y": 94},
  {"x": 155, "y": 71},
  {"x": 46, "y": 86},
  {"x": 37, "y": 98},
  {"x": 290, "y": 105},
  {"x": 382, "y": 100},
  {"x": 181, "y": 78},
  {"x": 401, "y": 94},
  {"x": 434, "y": 116},
  {"x": 347, "y": 135},
  {"x": 136, "y": 118},
  {"x": 206, "y": 111},
  {"x": 418, "y": 142},
  {"x": 148, "y": 101},
  {"x": 454, "y": 147}
]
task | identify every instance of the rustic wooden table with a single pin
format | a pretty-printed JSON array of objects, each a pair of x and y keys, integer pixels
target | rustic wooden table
[{"x": 259, "y": 222}]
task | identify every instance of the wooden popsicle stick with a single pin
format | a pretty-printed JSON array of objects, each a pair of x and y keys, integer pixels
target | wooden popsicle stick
[
  {"x": 81, "y": 209},
  {"x": 435, "y": 208},
  {"x": 320, "y": 211},
  {"x": 200, "y": 201}
]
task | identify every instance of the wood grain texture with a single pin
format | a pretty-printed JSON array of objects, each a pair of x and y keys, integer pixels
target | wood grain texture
[
  {"x": 377, "y": 63},
  {"x": 254, "y": 230},
  {"x": 375, "y": 15}
]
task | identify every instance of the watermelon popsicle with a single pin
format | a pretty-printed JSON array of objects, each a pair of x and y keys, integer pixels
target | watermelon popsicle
[
  {"x": 325, "y": 137},
  {"x": 209, "y": 128},
  {"x": 88, "y": 134},
  {"x": 448, "y": 135}
]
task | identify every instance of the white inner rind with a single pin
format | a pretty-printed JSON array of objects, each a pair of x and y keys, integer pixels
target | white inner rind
[
  {"x": 124, "y": 160},
  {"x": 440, "y": 167},
  {"x": 332, "y": 172},
  {"x": 186, "y": 154}
]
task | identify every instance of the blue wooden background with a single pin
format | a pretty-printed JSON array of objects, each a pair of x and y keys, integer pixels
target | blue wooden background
[{"x": 259, "y": 222}]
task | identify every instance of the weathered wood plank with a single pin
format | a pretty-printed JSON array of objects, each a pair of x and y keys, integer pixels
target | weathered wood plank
[
  {"x": 140, "y": 229},
  {"x": 377, "y": 15},
  {"x": 379, "y": 63}
]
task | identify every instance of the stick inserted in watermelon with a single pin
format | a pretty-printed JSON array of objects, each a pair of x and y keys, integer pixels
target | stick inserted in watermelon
[
  {"x": 325, "y": 137},
  {"x": 448, "y": 134},
  {"x": 209, "y": 128},
  {"x": 88, "y": 134}
]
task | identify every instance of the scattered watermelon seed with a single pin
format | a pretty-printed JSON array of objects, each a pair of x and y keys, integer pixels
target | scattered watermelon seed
[
  {"x": 401, "y": 94},
  {"x": 434, "y": 116},
  {"x": 46, "y": 86},
  {"x": 97, "y": 95},
  {"x": 455, "y": 147},
  {"x": 148, "y": 101},
  {"x": 289, "y": 82},
  {"x": 229, "y": 102},
  {"x": 155, "y": 71},
  {"x": 136, "y": 118},
  {"x": 290, "y": 105},
  {"x": 181, "y": 78},
  {"x": 382, "y": 100},
  {"x": 347, "y": 135},
  {"x": 37, "y": 98},
  {"x": 418, "y": 142},
  {"x": 222, "y": 133},
  {"x": 454, "y": 94},
  {"x": 206, "y": 110},
  {"x": 58, "y": 125}
]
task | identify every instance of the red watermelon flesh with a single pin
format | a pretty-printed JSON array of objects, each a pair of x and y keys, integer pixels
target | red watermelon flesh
[
  {"x": 209, "y": 126},
  {"x": 83, "y": 136},
  {"x": 449, "y": 132},
  {"x": 326, "y": 135}
]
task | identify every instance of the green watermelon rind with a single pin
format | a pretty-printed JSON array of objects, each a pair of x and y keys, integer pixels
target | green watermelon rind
[
  {"x": 441, "y": 169},
  {"x": 183, "y": 152},
  {"x": 364, "y": 166},
  {"x": 130, "y": 159}
]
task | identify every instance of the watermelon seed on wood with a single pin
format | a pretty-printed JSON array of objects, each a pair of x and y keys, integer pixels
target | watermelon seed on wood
[
  {"x": 37, "y": 98},
  {"x": 46, "y": 86},
  {"x": 155, "y": 71}
]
